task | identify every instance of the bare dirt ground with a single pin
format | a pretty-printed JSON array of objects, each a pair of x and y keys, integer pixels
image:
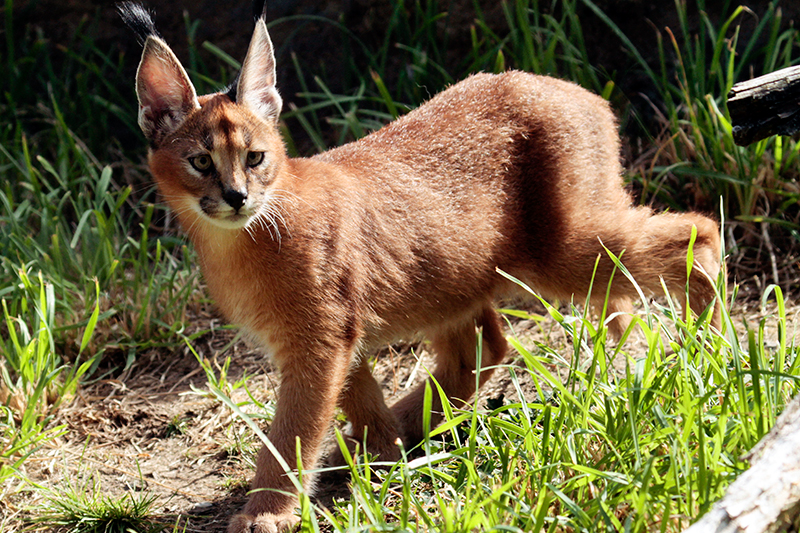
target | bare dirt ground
[{"x": 156, "y": 429}]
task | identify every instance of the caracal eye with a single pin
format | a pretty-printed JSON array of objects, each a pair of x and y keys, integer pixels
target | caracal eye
[
  {"x": 201, "y": 163},
  {"x": 254, "y": 158}
]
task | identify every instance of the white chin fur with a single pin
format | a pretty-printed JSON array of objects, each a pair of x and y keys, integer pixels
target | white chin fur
[
  {"x": 226, "y": 219},
  {"x": 230, "y": 222}
]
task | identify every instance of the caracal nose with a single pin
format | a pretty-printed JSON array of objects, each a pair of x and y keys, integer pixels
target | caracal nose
[{"x": 234, "y": 198}]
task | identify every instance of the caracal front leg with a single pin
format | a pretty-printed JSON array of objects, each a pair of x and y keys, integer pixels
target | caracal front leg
[{"x": 310, "y": 386}]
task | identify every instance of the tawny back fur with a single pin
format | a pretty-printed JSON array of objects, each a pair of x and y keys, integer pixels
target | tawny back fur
[{"x": 328, "y": 258}]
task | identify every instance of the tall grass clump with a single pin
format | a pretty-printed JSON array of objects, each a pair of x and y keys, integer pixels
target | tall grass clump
[
  {"x": 84, "y": 508},
  {"x": 694, "y": 160},
  {"x": 86, "y": 270},
  {"x": 411, "y": 63},
  {"x": 73, "y": 206},
  {"x": 35, "y": 378}
]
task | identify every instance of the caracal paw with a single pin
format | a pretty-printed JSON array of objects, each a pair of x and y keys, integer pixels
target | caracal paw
[{"x": 263, "y": 523}]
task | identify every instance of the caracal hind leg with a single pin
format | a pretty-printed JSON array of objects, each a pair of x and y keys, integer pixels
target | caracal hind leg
[
  {"x": 455, "y": 351},
  {"x": 306, "y": 403},
  {"x": 661, "y": 251},
  {"x": 363, "y": 404},
  {"x": 618, "y": 324}
]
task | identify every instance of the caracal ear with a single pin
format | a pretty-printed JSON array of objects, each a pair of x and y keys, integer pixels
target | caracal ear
[
  {"x": 166, "y": 95},
  {"x": 256, "y": 88}
]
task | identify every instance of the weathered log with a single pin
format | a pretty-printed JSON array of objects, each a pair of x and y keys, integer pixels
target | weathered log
[
  {"x": 764, "y": 106},
  {"x": 765, "y": 498}
]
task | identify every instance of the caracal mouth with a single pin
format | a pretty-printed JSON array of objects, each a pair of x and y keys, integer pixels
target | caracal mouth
[
  {"x": 231, "y": 220},
  {"x": 226, "y": 218}
]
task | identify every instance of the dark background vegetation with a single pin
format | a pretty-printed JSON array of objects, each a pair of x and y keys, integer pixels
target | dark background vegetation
[
  {"x": 304, "y": 29},
  {"x": 346, "y": 67}
]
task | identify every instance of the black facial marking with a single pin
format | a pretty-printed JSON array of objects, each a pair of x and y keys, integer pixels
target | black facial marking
[
  {"x": 208, "y": 140},
  {"x": 207, "y": 205},
  {"x": 226, "y": 127}
]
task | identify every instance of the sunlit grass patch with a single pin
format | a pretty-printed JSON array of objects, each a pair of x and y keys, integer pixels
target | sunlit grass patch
[{"x": 83, "y": 508}]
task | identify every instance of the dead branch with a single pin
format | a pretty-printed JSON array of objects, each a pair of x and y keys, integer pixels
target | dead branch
[{"x": 764, "y": 106}]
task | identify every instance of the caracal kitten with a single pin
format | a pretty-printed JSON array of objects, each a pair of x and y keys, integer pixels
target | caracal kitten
[{"x": 325, "y": 259}]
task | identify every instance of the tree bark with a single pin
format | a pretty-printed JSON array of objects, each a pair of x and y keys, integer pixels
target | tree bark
[
  {"x": 764, "y": 106},
  {"x": 765, "y": 498}
]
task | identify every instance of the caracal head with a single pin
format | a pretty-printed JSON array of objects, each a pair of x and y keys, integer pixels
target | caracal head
[{"x": 214, "y": 157}]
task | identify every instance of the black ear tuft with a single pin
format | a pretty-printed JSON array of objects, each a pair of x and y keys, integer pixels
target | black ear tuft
[
  {"x": 138, "y": 18},
  {"x": 259, "y": 9}
]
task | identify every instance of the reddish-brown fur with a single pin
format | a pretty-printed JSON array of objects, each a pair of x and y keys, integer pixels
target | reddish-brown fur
[{"x": 403, "y": 232}]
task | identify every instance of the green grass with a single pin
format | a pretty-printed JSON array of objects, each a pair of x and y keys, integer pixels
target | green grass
[
  {"x": 82, "y": 508},
  {"x": 93, "y": 272},
  {"x": 88, "y": 276},
  {"x": 35, "y": 378},
  {"x": 647, "y": 447},
  {"x": 410, "y": 64},
  {"x": 695, "y": 74}
]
